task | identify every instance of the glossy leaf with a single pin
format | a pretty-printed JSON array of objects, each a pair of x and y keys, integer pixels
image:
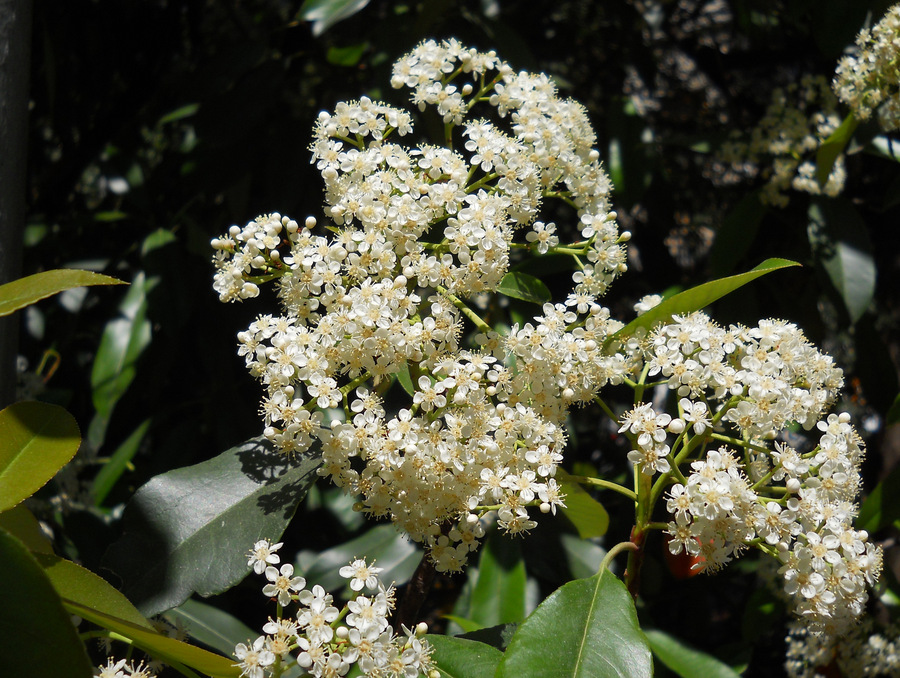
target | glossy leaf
[
  {"x": 382, "y": 543},
  {"x": 586, "y": 513},
  {"x": 882, "y": 507},
  {"x": 495, "y": 636},
  {"x": 684, "y": 660},
  {"x": 189, "y": 530},
  {"x": 36, "y": 440},
  {"x": 499, "y": 592},
  {"x": 21, "y": 523},
  {"x": 698, "y": 297},
  {"x": 462, "y": 658},
  {"x": 584, "y": 556},
  {"x": 211, "y": 626},
  {"x": 75, "y": 583},
  {"x": 587, "y": 628},
  {"x": 839, "y": 238},
  {"x": 118, "y": 461},
  {"x": 833, "y": 146},
  {"x": 20, "y": 293},
  {"x": 167, "y": 649},
  {"x": 39, "y": 639},
  {"x": 526, "y": 287},
  {"x": 326, "y": 13}
]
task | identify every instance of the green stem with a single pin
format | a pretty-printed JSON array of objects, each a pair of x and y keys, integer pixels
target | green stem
[
  {"x": 466, "y": 311},
  {"x": 605, "y": 485},
  {"x": 613, "y": 552}
]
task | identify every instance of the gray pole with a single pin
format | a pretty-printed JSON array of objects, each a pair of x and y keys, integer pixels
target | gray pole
[{"x": 15, "y": 53}]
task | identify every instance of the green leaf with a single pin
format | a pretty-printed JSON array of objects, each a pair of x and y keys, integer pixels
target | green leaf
[
  {"x": 326, "y": 13},
  {"x": 179, "y": 114},
  {"x": 75, "y": 583},
  {"x": 893, "y": 413},
  {"x": 118, "y": 461},
  {"x": 405, "y": 379},
  {"x": 381, "y": 543},
  {"x": 467, "y": 625},
  {"x": 684, "y": 660},
  {"x": 167, "y": 649},
  {"x": 499, "y": 593},
  {"x": 36, "y": 440},
  {"x": 698, "y": 297},
  {"x": 495, "y": 636},
  {"x": 587, "y": 628},
  {"x": 840, "y": 240},
  {"x": 21, "y": 523},
  {"x": 882, "y": 506},
  {"x": 211, "y": 626},
  {"x": 584, "y": 556},
  {"x": 189, "y": 530},
  {"x": 20, "y": 293},
  {"x": 526, "y": 287},
  {"x": 833, "y": 146},
  {"x": 586, "y": 513},
  {"x": 461, "y": 658},
  {"x": 346, "y": 56},
  {"x": 39, "y": 639},
  {"x": 736, "y": 234}
]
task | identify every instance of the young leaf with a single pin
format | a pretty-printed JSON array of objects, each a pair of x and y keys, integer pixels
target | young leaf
[
  {"x": 586, "y": 513},
  {"x": 20, "y": 293},
  {"x": 39, "y": 639},
  {"x": 587, "y": 628},
  {"x": 461, "y": 658},
  {"x": 698, "y": 297},
  {"x": 684, "y": 660},
  {"x": 211, "y": 626},
  {"x": 167, "y": 649},
  {"x": 75, "y": 583},
  {"x": 36, "y": 440},
  {"x": 189, "y": 530},
  {"x": 526, "y": 287}
]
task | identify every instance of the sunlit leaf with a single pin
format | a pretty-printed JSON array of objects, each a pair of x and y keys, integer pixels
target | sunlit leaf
[
  {"x": 20, "y": 293},
  {"x": 587, "y": 628},
  {"x": 21, "y": 523},
  {"x": 698, "y": 297},
  {"x": 167, "y": 649},
  {"x": 526, "y": 287},
  {"x": 36, "y": 440},
  {"x": 833, "y": 146},
  {"x": 684, "y": 660},
  {"x": 326, "y": 13},
  {"x": 462, "y": 658},
  {"x": 189, "y": 530},
  {"x": 39, "y": 639}
]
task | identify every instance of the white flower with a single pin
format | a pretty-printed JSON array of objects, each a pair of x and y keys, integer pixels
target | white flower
[
  {"x": 283, "y": 583},
  {"x": 263, "y": 554},
  {"x": 253, "y": 659},
  {"x": 361, "y": 575}
]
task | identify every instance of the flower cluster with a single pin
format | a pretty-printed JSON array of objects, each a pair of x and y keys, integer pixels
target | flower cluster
[
  {"x": 869, "y": 80},
  {"x": 122, "y": 668},
  {"x": 379, "y": 297},
  {"x": 326, "y": 641},
  {"x": 862, "y": 652},
  {"x": 782, "y": 146}
]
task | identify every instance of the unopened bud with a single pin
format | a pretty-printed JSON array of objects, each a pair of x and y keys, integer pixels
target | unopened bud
[{"x": 675, "y": 426}]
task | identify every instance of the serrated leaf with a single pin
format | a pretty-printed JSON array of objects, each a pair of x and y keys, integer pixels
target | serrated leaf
[
  {"x": 211, "y": 626},
  {"x": 21, "y": 523},
  {"x": 75, "y": 583},
  {"x": 586, "y": 513},
  {"x": 462, "y": 658},
  {"x": 39, "y": 639},
  {"x": 833, "y": 146},
  {"x": 684, "y": 660},
  {"x": 587, "y": 628},
  {"x": 526, "y": 287},
  {"x": 20, "y": 293},
  {"x": 189, "y": 530},
  {"x": 698, "y": 297},
  {"x": 839, "y": 238},
  {"x": 36, "y": 440},
  {"x": 325, "y": 13},
  {"x": 167, "y": 649}
]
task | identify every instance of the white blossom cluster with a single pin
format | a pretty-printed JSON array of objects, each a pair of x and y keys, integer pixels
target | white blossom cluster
[
  {"x": 869, "y": 80},
  {"x": 122, "y": 668},
  {"x": 782, "y": 146},
  {"x": 862, "y": 652},
  {"x": 325, "y": 641},
  {"x": 796, "y": 505},
  {"x": 380, "y": 294}
]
